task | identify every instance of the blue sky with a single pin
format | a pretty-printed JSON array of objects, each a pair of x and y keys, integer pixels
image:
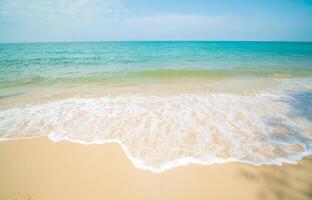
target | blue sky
[{"x": 97, "y": 20}]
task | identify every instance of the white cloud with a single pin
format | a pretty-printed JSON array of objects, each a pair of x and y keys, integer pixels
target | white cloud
[
  {"x": 181, "y": 19},
  {"x": 53, "y": 10},
  {"x": 176, "y": 27}
]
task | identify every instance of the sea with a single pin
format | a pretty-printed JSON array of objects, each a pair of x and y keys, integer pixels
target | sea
[{"x": 167, "y": 103}]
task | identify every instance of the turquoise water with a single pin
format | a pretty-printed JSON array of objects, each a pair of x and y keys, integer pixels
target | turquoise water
[
  {"x": 106, "y": 62},
  {"x": 166, "y": 103}
]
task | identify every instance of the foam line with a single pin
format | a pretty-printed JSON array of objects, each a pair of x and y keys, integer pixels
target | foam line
[
  {"x": 181, "y": 161},
  {"x": 160, "y": 133}
]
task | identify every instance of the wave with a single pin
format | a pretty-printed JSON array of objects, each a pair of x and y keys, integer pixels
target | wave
[
  {"x": 206, "y": 74},
  {"x": 117, "y": 77},
  {"x": 162, "y": 132}
]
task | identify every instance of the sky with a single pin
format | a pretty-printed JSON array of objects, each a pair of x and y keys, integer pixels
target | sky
[{"x": 124, "y": 20}]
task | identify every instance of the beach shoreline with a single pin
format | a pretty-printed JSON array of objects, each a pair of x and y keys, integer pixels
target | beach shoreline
[
  {"x": 163, "y": 120},
  {"x": 39, "y": 168}
]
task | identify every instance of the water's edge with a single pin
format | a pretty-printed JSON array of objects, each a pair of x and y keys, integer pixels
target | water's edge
[{"x": 178, "y": 162}]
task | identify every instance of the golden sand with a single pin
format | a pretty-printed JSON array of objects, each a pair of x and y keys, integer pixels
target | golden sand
[{"x": 45, "y": 170}]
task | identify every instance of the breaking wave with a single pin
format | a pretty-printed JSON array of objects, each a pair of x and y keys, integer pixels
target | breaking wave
[{"x": 161, "y": 132}]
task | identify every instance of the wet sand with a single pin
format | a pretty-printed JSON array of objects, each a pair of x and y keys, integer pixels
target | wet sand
[{"x": 41, "y": 169}]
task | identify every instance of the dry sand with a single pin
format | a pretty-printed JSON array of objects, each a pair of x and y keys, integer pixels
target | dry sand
[{"x": 45, "y": 170}]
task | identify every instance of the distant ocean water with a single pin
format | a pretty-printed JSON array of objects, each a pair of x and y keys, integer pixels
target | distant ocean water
[{"x": 166, "y": 103}]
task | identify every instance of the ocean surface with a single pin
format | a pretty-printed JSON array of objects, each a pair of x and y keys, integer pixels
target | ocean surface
[{"x": 166, "y": 103}]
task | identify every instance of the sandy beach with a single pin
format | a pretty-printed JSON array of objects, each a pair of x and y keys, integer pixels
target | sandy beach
[
  {"x": 41, "y": 169},
  {"x": 155, "y": 100}
]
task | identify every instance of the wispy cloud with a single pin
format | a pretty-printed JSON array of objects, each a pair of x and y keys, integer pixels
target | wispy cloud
[
  {"x": 176, "y": 26},
  {"x": 58, "y": 9},
  {"x": 180, "y": 20}
]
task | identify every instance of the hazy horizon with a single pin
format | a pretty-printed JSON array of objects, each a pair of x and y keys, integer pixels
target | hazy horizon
[{"x": 99, "y": 41}]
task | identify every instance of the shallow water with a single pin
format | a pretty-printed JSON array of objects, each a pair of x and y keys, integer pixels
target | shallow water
[{"x": 166, "y": 103}]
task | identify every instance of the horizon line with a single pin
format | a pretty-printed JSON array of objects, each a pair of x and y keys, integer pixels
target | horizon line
[{"x": 85, "y": 41}]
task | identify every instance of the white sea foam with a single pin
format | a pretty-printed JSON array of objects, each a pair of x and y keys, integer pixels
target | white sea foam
[{"x": 158, "y": 133}]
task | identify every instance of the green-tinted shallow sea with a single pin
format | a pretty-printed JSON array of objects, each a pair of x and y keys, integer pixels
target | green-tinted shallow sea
[{"x": 166, "y": 103}]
